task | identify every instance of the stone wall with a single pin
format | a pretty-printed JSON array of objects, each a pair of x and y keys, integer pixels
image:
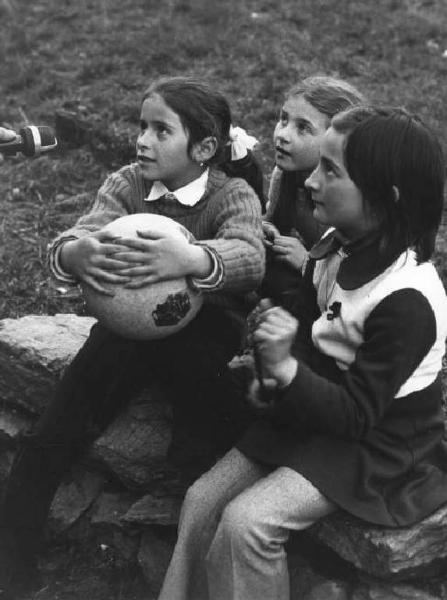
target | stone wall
[{"x": 125, "y": 494}]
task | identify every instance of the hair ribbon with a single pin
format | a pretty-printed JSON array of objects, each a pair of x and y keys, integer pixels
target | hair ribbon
[{"x": 241, "y": 142}]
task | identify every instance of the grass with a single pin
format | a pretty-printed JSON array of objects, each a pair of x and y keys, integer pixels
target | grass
[{"x": 99, "y": 56}]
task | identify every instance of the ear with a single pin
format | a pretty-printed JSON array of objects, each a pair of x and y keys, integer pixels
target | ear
[
  {"x": 204, "y": 150},
  {"x": 396, "y": 194}
]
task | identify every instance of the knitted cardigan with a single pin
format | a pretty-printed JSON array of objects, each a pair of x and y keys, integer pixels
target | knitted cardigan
[{"x": 226, "y": 220}]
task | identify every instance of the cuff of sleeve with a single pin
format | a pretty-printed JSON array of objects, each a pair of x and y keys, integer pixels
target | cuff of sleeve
[
  {"x": 215, "y": 279},
  {"x": 288, "y": 373},
  {"x": 54, "y": 262},
  {"x": 299, "y": 401}
]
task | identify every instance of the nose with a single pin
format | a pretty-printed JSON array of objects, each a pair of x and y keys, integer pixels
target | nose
[
  {"x": 312, "y": 182},
  {"x": 282, "y": 133},
  {"x": 144, "y": 139}
]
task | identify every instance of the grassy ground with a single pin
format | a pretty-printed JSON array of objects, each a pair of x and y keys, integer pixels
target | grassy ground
[{"x": 98, "y": 57}]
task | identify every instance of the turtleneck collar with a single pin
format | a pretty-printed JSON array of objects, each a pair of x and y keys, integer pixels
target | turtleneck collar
[{"x": 363, "y": 261}]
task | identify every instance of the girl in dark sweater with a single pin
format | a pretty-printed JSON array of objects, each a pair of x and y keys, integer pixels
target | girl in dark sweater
[{"x": 350, "y": 408}]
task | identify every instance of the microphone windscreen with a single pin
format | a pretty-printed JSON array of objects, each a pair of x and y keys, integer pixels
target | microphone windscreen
[
  {"x": 28, "y": 142},
  {"x": 47, "y": 137}
]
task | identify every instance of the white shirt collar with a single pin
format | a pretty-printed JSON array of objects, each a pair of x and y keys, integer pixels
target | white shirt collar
[{"x": 188, "y": 195}]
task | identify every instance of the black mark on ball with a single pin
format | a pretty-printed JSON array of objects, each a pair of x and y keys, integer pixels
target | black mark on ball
[{"x": 173, "y": 310}]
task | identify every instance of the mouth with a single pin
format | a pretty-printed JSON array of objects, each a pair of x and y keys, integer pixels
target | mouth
[
  {"x": 144, "y": 159},
  {"x": 281, "y": 152}
]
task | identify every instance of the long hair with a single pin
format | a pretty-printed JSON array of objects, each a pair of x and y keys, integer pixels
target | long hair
[
  {"x": 397, "y": 163},
  {"x": 204, "y": 112}
]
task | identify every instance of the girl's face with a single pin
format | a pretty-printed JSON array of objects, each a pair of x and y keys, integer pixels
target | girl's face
[
  {"x": 162, "y": 145},
  {"x": 337, "y": 200},
  {"x": 298, "y": 135}
]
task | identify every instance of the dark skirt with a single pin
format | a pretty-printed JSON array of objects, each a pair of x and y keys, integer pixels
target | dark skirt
[{"x": 392, "y": 477}]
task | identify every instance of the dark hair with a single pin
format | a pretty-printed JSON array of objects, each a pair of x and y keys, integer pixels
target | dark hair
[
  {"x": 205, "y": 112},
  {"x": 328, "y": 95},
  {"x": 387, "y": 149}
]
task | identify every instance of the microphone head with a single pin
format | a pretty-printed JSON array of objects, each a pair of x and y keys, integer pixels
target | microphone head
[
  {"x": 37, "y": 140},
  {"x": 28, "y": 142},
  {"x": 47, "y": 138}
]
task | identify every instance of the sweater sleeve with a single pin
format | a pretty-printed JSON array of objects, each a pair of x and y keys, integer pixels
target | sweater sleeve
[
  {"x": 112, "y": 201},
  {"x": 398, "y": 334},
  {"x": 238, "y": 238}
]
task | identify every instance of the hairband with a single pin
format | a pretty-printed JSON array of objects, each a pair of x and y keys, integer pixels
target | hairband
[{"x": 241, "y": 142}]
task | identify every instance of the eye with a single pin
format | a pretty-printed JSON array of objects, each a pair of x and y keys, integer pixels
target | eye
[
  {"x": 283, "y": 118},
  {"x": 162, "y": 131},
  {"x": 143, "y": 125},
  {"x": 303, "y": 126},
  {"x": 327, "y": 167}
]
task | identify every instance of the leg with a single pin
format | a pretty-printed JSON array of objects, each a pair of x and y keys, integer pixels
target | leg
[
  {"x": 247, "y": 560},
  {"x": 185, "y": 578},
  {"x": 89, "y": 395},
  {"x": 206, "y": 405}
]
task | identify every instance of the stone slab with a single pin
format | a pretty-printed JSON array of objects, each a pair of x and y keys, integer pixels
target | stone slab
[
  {"x": 135, "y": 445},
  {"x": 153, "y": 510},
  {"x": 385, "y": 552},
  {"x": 73, "y": 498},
  {"x": 33, "y": 352}
]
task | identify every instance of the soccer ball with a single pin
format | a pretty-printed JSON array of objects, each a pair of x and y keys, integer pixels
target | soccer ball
[{"x": 154, "y": 311}]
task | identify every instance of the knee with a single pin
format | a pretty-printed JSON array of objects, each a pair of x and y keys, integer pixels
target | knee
[
  {"x": 242, "y": 526},
  {"x": 192, "y": 511}
]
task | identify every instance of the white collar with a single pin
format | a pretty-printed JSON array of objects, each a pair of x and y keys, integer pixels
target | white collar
[{"x": 188, "y": 195}]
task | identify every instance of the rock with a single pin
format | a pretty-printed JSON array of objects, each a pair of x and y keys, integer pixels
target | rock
[
  {"x": 107, "y": 531},
  {"x": 110, "y": 508},
  {"x": 328, "y": 590},
  {"x": 134, "y": 446},
  {"x": 393, "y": 592},
  {"x": 33, "y": 352},
  {"x": 404, "y": 552},
  {"x": 152, "y": 510},
  {"x": 308, "y": 584},
  {"x": 389, "y": 564},
  {"x": 11, "y": 424},
  {"x": 73, "y": 498}
]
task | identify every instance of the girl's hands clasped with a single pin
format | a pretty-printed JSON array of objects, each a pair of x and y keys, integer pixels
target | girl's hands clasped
[
  {"x": 273, "y": 337},
  {"x": 92, "y": 259},
  {"x": 156, "y": 256}
]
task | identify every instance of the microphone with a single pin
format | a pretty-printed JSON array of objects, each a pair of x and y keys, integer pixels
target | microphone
[{"x": 30, "y": 141}]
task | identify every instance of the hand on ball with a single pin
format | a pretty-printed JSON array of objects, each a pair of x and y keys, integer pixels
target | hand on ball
[
  {"x": 157, "y": 256},
  {"x": 92, "y": 259}
]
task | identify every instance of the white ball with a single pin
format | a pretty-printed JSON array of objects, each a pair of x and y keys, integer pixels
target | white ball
[{"x": 154, "y": 311}]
